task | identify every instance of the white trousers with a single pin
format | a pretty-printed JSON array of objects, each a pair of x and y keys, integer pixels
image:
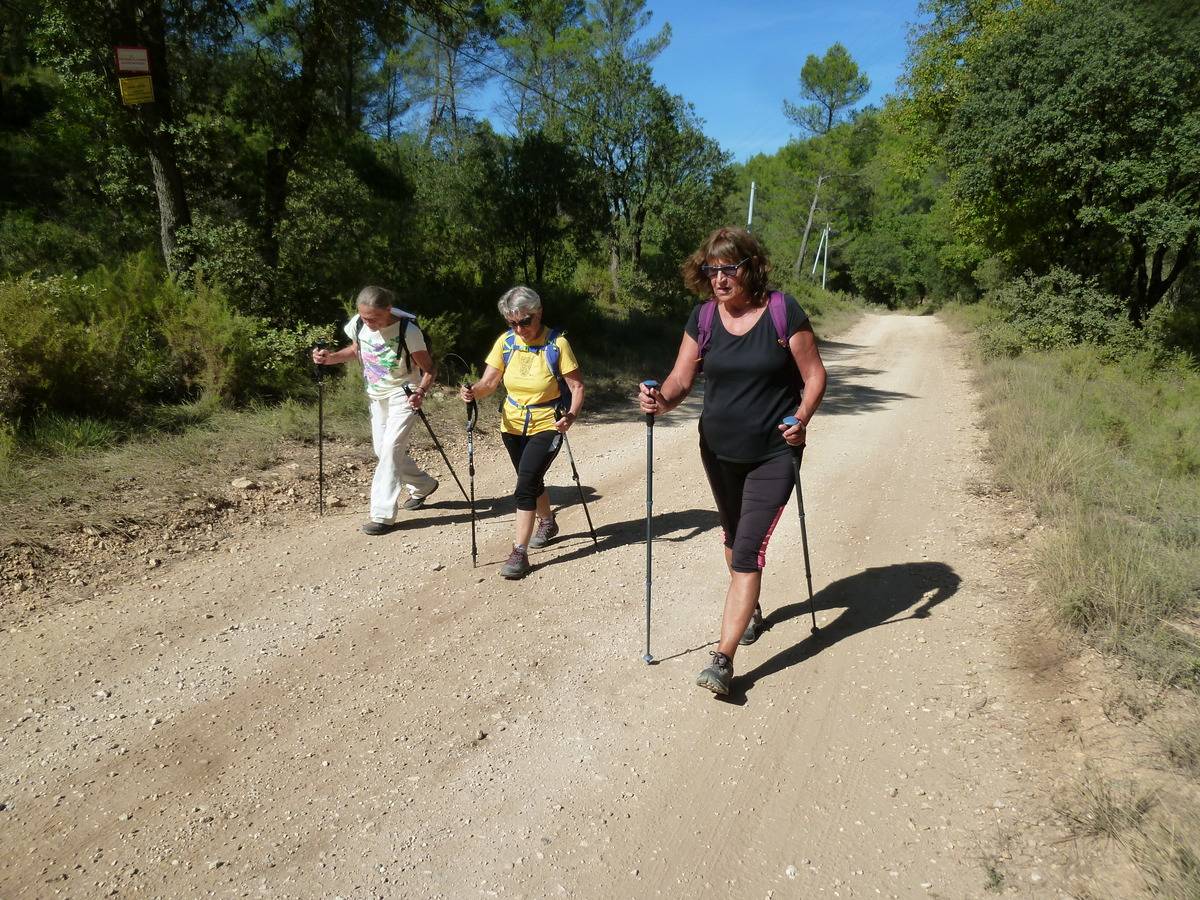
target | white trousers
[{"x": 391, "y": 420}]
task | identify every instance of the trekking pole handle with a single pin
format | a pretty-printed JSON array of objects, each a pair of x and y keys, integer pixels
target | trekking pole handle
[
  {"x": 652, "y": 384},
  {"x": 791, "y": 421},
  {"x": 319, "y": 368},
  {"x": 472, "y": 414}
]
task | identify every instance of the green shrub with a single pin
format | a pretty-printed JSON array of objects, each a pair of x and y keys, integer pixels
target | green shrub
[
  {"x": 1061, "y": 309},
  {"x": 1000, "y": 340},
  {"x": 45, "y": 247},
  {"x": 226, "y": 256},
  {"x": 214, "y": 344}
]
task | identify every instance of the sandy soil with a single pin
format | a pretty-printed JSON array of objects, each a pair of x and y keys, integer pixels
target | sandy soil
[{"x": 308, "y": 712}]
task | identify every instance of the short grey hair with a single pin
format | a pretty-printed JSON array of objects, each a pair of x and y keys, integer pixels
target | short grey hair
[
  {"x": 519, "y": 298},
  {"x": 375, "y": 297}
]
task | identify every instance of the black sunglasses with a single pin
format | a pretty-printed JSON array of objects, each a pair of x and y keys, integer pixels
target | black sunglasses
[
  {"x": 521, "y": 323},
  {"x": 709, "y": 271}
]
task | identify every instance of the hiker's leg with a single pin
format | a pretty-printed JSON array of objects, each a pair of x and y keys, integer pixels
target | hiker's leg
[
  {"x": 543, "y": 505},
  {"x": 765, "y": 493},
  {"x": 740, "y": 602},
  {"x": 725, "y": 482},
  {"x": 386, "y": 483},
  {"x": 538, "y": 453},
  {"x": 411, "y": 475}
]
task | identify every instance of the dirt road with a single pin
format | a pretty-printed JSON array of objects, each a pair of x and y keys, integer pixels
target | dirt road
[{"x": 313, "y": 713}]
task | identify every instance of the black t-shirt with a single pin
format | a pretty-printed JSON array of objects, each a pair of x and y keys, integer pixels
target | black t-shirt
[{"x": 750, "y": 386}]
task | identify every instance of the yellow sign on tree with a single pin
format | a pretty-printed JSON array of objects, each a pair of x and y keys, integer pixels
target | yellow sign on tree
[{"x": 139, "y": 89}]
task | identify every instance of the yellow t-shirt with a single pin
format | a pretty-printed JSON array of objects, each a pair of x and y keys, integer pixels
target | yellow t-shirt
[{"x": 529, "y": 381}]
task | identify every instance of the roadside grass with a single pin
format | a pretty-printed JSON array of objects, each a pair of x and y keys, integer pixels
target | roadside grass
[
  {"x": 1098, "y": 806},
  {"x": 1108, "y": 454},
  {"x": 1107, "y": 451}
]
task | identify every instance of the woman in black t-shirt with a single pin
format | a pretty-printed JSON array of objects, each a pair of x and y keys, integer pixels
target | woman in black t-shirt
[{"x": 761, "y": 364}]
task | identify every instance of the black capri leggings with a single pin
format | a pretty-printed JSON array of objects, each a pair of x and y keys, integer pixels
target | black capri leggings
[
  {"x": 750, "y": 499},
  {"x": 531, "y": 456}
]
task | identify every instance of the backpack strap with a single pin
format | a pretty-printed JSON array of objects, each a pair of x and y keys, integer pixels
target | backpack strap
[
  {"x": 777, "y": 307},
  {"x": 553, "y": 360},
  {"x": 510, "y": 346},
  {"x": 704, "y": 330},
  {"x": 401, "y": 335}
]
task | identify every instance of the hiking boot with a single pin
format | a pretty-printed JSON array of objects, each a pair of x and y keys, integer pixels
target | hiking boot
[
  {"x": 517, "y": 565},
  {"x": 418, "y": 502},
  {"x": 377, "y": 528},
  {"x": 547, "y": 531},
  {"x": 754, "y": 628},
  {"x": 719, "y": 674}
]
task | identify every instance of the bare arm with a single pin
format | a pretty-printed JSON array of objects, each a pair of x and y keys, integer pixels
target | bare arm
[
  {"x": 575, "y": 383},
  {"x": 335, "y": 357},
  {"x": 803, "y": 345},
  {"x": 677, "y": 385}
]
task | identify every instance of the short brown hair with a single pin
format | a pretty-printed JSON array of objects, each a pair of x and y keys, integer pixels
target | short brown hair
[{"x": 732, "y": 245}]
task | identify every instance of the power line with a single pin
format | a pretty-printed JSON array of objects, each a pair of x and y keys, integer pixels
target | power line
[{"x": 485, "y": 64}]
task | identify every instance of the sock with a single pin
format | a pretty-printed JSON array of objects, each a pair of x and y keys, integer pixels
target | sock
[{"x": 520, "y": 547}]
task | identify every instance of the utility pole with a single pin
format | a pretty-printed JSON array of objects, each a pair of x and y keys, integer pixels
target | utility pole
[
  {"x": 825, "y": 266},
  {"x": 750, "y": 217},
  {"x": 807, "y": 227},
  {"x": 817, "y": 255}
]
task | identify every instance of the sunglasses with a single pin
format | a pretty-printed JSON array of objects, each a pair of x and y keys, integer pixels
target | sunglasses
[
  {"x": 521, "y": 323},
  {"x": 709, "y": 271}
]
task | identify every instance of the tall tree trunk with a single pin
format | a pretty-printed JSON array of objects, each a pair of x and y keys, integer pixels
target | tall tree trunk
[
  {"x": 614, "y": 267},
  {"x": 639, "y": 224},
  {"x": 292, "y": 137},
  {"x": 173, "y": 212},
  {"x": 812, "y": 209},
  {"x": 151, "y": 122}
]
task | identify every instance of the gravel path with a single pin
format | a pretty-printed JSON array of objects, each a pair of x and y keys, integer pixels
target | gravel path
[{"x": 309, "y": 712}]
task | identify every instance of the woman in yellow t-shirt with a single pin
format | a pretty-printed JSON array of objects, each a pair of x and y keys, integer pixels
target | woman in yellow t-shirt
[{"x": 535, "y": 363}]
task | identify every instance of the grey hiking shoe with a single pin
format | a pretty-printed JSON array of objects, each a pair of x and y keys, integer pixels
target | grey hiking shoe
[
  {"x": 517, "y": 565},
  {"x": 375, "y": 529},
  {"x": 719, "y": 674},
  {"x": 547, "y": 531},
  {"x": 418, "y": 502},
  {"x": 754, "y": 628}
]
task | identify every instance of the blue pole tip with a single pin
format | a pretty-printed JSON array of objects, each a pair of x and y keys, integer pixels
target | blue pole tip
[{"x": 647, "y": 659}]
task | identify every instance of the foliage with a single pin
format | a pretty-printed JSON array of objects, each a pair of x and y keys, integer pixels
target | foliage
[
  {"x": 1061, "y": 309},
  {"x": 833, "y": 84},
  {"x": 1077, "y": 142}
]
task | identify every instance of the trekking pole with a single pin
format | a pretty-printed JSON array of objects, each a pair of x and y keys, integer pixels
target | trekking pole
[
  {"x": 420, "y": 412},
  {"x": 797, "y": 453},
  {"x": 472, "y": 415},
  {"x": 575, "y": 475},
  {"x": 319, "y": 374},
  {"x": 647, "y": 659}
]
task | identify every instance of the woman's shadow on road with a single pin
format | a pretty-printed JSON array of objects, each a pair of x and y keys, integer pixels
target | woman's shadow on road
[{"x": 869, "y": 599}]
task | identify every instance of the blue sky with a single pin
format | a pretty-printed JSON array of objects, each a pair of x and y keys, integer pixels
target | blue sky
[{"x": 737, "y": 62}]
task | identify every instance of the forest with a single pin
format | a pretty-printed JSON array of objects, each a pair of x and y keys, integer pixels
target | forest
[{"x": 1044, "y": 155}]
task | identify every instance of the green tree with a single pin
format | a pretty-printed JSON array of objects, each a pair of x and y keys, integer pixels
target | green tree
[
  {"x": 1077, "y": 142},
  {"x": 833, "y": 85},
  {"x": 544, "y": 42}
]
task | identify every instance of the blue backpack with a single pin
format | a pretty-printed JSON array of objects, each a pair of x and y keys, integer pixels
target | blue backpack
[{"x": 553, "y": 359}]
